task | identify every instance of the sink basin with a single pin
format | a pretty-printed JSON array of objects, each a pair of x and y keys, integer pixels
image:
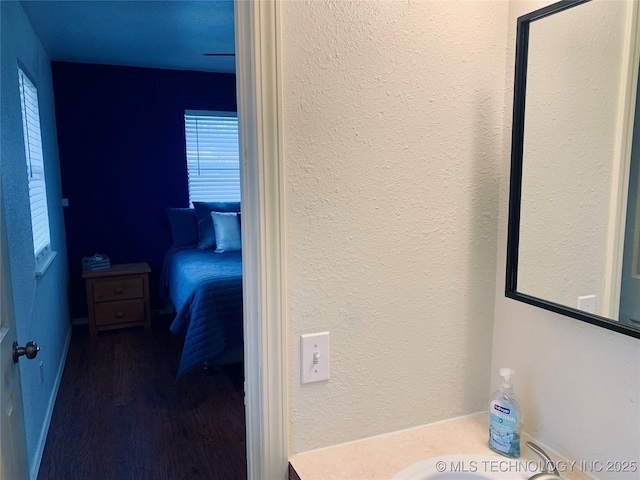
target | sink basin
[{"x": 469, "y": 467}]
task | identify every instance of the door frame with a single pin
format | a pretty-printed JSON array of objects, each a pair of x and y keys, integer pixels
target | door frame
[
  {"x": 259, "y": 93},
  {"x": 622, "y": 163}
]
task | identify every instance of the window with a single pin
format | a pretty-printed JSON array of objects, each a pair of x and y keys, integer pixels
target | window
[
  {"x": 213, "y": 159},
  {"x": 35, "y": 167}
]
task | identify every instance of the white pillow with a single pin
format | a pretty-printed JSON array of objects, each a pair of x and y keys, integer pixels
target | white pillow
[{"x": 227, "y": 228}]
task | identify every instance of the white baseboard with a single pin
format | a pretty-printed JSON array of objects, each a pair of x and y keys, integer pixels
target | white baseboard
[
  {"x": 167, "y": 309},
  {"x": 37, "y": 458},
  {"x": 80, "y": 321}
]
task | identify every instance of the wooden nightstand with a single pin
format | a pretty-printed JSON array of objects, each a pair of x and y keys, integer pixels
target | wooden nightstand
[{"x": 118, "y": 297}]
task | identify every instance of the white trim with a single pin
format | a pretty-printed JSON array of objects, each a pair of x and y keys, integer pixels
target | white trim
[
  {"x": 3, "y": 333},
  {"x": 34, "y": 468},
  {"x": 211, "y": 113},
  {"x": 621, "y": 163},
  {"x": 259, "y": 88},
  {"x": 79, "y": 321},
  {"x": 43, "y": 263},
  {"x": 635, "y": 270}
]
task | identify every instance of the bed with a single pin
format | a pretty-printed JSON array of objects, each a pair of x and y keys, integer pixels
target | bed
[{"x": 202, "y": 277}]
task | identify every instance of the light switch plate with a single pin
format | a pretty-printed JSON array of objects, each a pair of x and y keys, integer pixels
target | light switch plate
[
  {"x": 587, "y": 303},
  {"x": 314, "y": 357}
]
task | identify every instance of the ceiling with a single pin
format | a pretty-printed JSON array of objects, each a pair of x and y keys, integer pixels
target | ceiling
[{"x": 155, "y": 34}]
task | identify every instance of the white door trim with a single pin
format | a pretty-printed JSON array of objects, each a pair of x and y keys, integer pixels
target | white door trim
[
  {"x": 259, "y": 93},
  {"x": 622, "y": 163}
]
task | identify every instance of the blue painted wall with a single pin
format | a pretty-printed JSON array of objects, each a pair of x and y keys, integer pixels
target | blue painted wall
[
  {"x": 122, "y": 157},
  {"x": 40, "y": 305}
]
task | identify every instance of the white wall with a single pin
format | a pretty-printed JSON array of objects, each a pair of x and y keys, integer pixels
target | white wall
[
  {"x": 40, "y": 305},
  {"x": 393, "y": 118},
  {"x": 579, "y": 384}
]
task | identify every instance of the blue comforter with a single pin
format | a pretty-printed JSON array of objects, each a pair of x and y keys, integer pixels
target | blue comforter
[{"x": 206, "y": 289}]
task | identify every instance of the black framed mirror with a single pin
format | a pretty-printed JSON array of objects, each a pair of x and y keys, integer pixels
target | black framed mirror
[{"x": 574, "y": 206}]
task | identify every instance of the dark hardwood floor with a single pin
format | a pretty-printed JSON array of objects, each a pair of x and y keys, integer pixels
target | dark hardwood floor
[{"x": 121, "y": 413}]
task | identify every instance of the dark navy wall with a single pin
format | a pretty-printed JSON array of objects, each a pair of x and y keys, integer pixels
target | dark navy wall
[{"x": 122, "y": 159}]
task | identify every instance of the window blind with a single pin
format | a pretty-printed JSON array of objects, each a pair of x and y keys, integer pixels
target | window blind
[
  {"x": 213, "y": 159},
  {"x": 35, "y": 165}
]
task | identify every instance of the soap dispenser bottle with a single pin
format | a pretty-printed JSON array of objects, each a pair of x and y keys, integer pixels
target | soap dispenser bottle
[{"x": 505, "y": 418}]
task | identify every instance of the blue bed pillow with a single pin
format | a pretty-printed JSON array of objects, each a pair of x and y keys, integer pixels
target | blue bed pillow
[
  {"x": 227, "y": 229},
  {"x": 206, "y": 231},
  {"x": 183, "y": 224}
]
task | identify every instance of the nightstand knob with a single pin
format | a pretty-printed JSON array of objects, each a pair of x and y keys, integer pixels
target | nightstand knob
[
  {"x": 30, "y": 350},
  {"x": 118, "y": 290},
  {"x": 119, "y": 314}
]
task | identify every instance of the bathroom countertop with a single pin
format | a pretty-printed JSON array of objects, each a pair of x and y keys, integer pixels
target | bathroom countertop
[{"x": 381, "y": 457}]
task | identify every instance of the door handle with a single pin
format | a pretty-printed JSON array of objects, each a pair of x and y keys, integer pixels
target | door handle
[{"x": 31, "y": 350}]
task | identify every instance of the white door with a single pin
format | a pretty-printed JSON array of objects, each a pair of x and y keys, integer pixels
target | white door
[{"x": 13, "y": 449}]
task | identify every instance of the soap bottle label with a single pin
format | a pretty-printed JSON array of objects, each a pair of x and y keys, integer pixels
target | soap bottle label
[{"x": 502, "y": 425}]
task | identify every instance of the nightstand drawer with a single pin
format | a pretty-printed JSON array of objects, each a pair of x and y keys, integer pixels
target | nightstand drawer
[
  {"x": 120, "y": 288},
  {"x": 126, "y": 311},
  {"x": 118, "y": 297}
]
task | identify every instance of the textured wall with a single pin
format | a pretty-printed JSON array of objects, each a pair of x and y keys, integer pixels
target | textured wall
[
  {"x": 569, "y": 146},
  {"x": 40, "y": 305},
  {"x": 122, "y": 158},
  {"x": 579, "y": 384},
  {"x": 393, "y": 130}
]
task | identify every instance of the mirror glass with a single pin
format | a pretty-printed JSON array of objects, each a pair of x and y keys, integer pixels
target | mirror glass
[{"x": 573, "y": 241}]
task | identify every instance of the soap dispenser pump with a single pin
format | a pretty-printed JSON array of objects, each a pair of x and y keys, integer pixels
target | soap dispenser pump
[{"x": 505, "y": 418}]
